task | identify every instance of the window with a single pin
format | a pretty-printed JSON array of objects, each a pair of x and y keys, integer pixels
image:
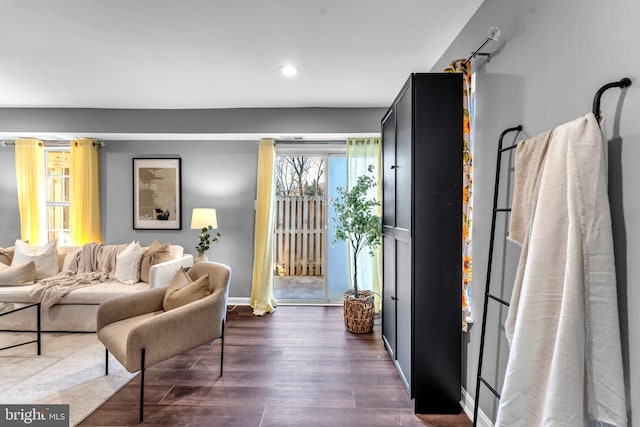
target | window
[{"x": 58, "y": 164}]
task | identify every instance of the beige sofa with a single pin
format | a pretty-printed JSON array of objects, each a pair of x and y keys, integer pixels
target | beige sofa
[{"x": 76, "y": 311}]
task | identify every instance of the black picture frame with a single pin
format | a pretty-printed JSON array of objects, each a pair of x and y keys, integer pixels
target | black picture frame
[{"x": 157, "y": 193}]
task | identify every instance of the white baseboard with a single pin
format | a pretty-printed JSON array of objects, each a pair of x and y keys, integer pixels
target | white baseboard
[
  {"x": 247, "y": 301},
  {"x": 468, "y": 404},
  {"x": 238, "y": 301}
]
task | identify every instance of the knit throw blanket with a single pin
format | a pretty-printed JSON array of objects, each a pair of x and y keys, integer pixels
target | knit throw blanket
[{"x": 94, "y": 263}]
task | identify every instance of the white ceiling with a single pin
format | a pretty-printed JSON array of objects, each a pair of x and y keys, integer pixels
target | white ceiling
[{"x": 219, "y": 53}]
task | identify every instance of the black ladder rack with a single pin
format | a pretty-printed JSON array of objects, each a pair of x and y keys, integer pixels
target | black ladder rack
[
  {"x": 487, "y": 293},
  {"x": 622, "y": 83}
]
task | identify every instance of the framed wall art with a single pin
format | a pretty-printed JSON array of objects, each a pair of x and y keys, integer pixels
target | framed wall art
[{"x": 157, "y": 203}]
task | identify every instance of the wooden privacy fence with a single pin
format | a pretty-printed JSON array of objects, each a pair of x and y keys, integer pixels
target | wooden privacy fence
[{"x": 299, "y": 235}]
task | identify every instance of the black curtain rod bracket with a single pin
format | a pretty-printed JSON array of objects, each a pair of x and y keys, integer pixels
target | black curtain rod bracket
[
  {"x": 494, "y": 35},
  {"x": 624, "y": 82}
]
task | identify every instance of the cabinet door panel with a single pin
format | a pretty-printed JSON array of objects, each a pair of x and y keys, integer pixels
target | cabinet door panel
[
  {"x": 388, "y": 169},
  {"x": 404, "y": 136},
  {"x": 389, "y": 294},
  {"x": 404, "y": 311}
]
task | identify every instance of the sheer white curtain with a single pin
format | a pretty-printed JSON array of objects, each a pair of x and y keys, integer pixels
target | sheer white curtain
[{"x": 361, "y": 153}]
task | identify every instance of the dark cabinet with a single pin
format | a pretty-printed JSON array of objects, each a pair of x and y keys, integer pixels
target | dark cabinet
[{"x": 422, "y": 239}]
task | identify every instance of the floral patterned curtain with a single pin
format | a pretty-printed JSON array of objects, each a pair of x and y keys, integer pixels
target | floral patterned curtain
[{"x": 464, "y": 67}]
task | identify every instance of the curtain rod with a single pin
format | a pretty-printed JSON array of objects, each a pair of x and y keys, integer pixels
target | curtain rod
[
  {"x": 306, "y": 141},
  {"x": 494, "y": 35},
  {"x": 321, "y": 141},
  {"x": 51, "y": 143}
]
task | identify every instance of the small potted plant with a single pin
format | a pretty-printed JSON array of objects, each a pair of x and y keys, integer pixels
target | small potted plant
[
  {"x": 357, "y": 223},
  {"x": 205, "y": 242}
]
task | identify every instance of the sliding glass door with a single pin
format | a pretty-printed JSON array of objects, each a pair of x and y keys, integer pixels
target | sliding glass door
[
  {"x": 308, "y": 268},
  {"x": 337, "y": 277}
]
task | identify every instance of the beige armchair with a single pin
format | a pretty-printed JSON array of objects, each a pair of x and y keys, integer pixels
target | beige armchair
[{"x": 139, "y": 333}]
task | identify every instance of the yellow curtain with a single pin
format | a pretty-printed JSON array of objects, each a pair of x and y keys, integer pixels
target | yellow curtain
[
  {"x": 262, "y": 300},
  {"x": 360, "y": 154},
  {"x": 84, "y": 212},
  {"x": 31, "y": 189}
]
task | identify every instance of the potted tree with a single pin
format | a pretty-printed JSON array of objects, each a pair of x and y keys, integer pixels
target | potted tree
[{"x": 357, "y": 223}]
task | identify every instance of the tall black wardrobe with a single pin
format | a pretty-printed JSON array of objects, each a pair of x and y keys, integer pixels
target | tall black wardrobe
[{"x": 422, "y": 239}]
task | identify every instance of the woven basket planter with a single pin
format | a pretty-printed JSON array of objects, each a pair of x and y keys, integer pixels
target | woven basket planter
[{"x": 359, "y": 312}]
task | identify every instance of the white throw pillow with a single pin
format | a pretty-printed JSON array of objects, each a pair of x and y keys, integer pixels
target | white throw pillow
[
  {"x": 45, "y": 257},
  {"x": 128, "y": 264}
]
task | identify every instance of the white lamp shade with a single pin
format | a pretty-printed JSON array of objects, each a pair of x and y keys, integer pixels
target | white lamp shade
[{"x": 203, "y": 217}]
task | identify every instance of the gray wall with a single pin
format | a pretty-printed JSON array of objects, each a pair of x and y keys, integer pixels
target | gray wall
[
  {"x": 552, "y": 58},
  {"x": 219, "y": 174}
]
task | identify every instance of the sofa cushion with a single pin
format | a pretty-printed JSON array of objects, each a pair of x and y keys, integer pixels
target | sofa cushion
[
  {"x": 66, "y": 256},
  {"x": 45, "y": 258},
  {"x": 182, "y": 290},
  {"x": 128, "y": 264},
  {"x": 95, "y": 294},
  {"x": 155, "y": 254},
  {"x": 6, "y": 255},
  {"x": 90, "y": 295},
  {"x": 17, "y": 293},
  {"x": 18, "y": 275}
]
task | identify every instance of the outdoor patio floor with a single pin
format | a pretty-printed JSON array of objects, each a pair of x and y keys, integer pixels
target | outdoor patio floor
[{"x": 298, "y": 287}]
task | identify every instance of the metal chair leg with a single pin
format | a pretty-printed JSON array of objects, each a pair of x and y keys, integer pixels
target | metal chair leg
[
  {"x": 141, "y": 384},
  {"x": 222, "y": 348},
  {"x": 39, "y": 326},
  {"x": 106, "y": 361}
]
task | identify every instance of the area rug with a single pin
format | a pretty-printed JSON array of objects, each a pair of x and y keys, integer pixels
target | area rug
[{"x": 69, "y": 371}]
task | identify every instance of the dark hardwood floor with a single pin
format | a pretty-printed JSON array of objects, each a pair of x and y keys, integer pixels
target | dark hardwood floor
[{"x": 296, "y": 367}]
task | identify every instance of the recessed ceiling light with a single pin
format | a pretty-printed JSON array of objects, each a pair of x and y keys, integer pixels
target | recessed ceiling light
[{"x": 289, "y": 70}]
